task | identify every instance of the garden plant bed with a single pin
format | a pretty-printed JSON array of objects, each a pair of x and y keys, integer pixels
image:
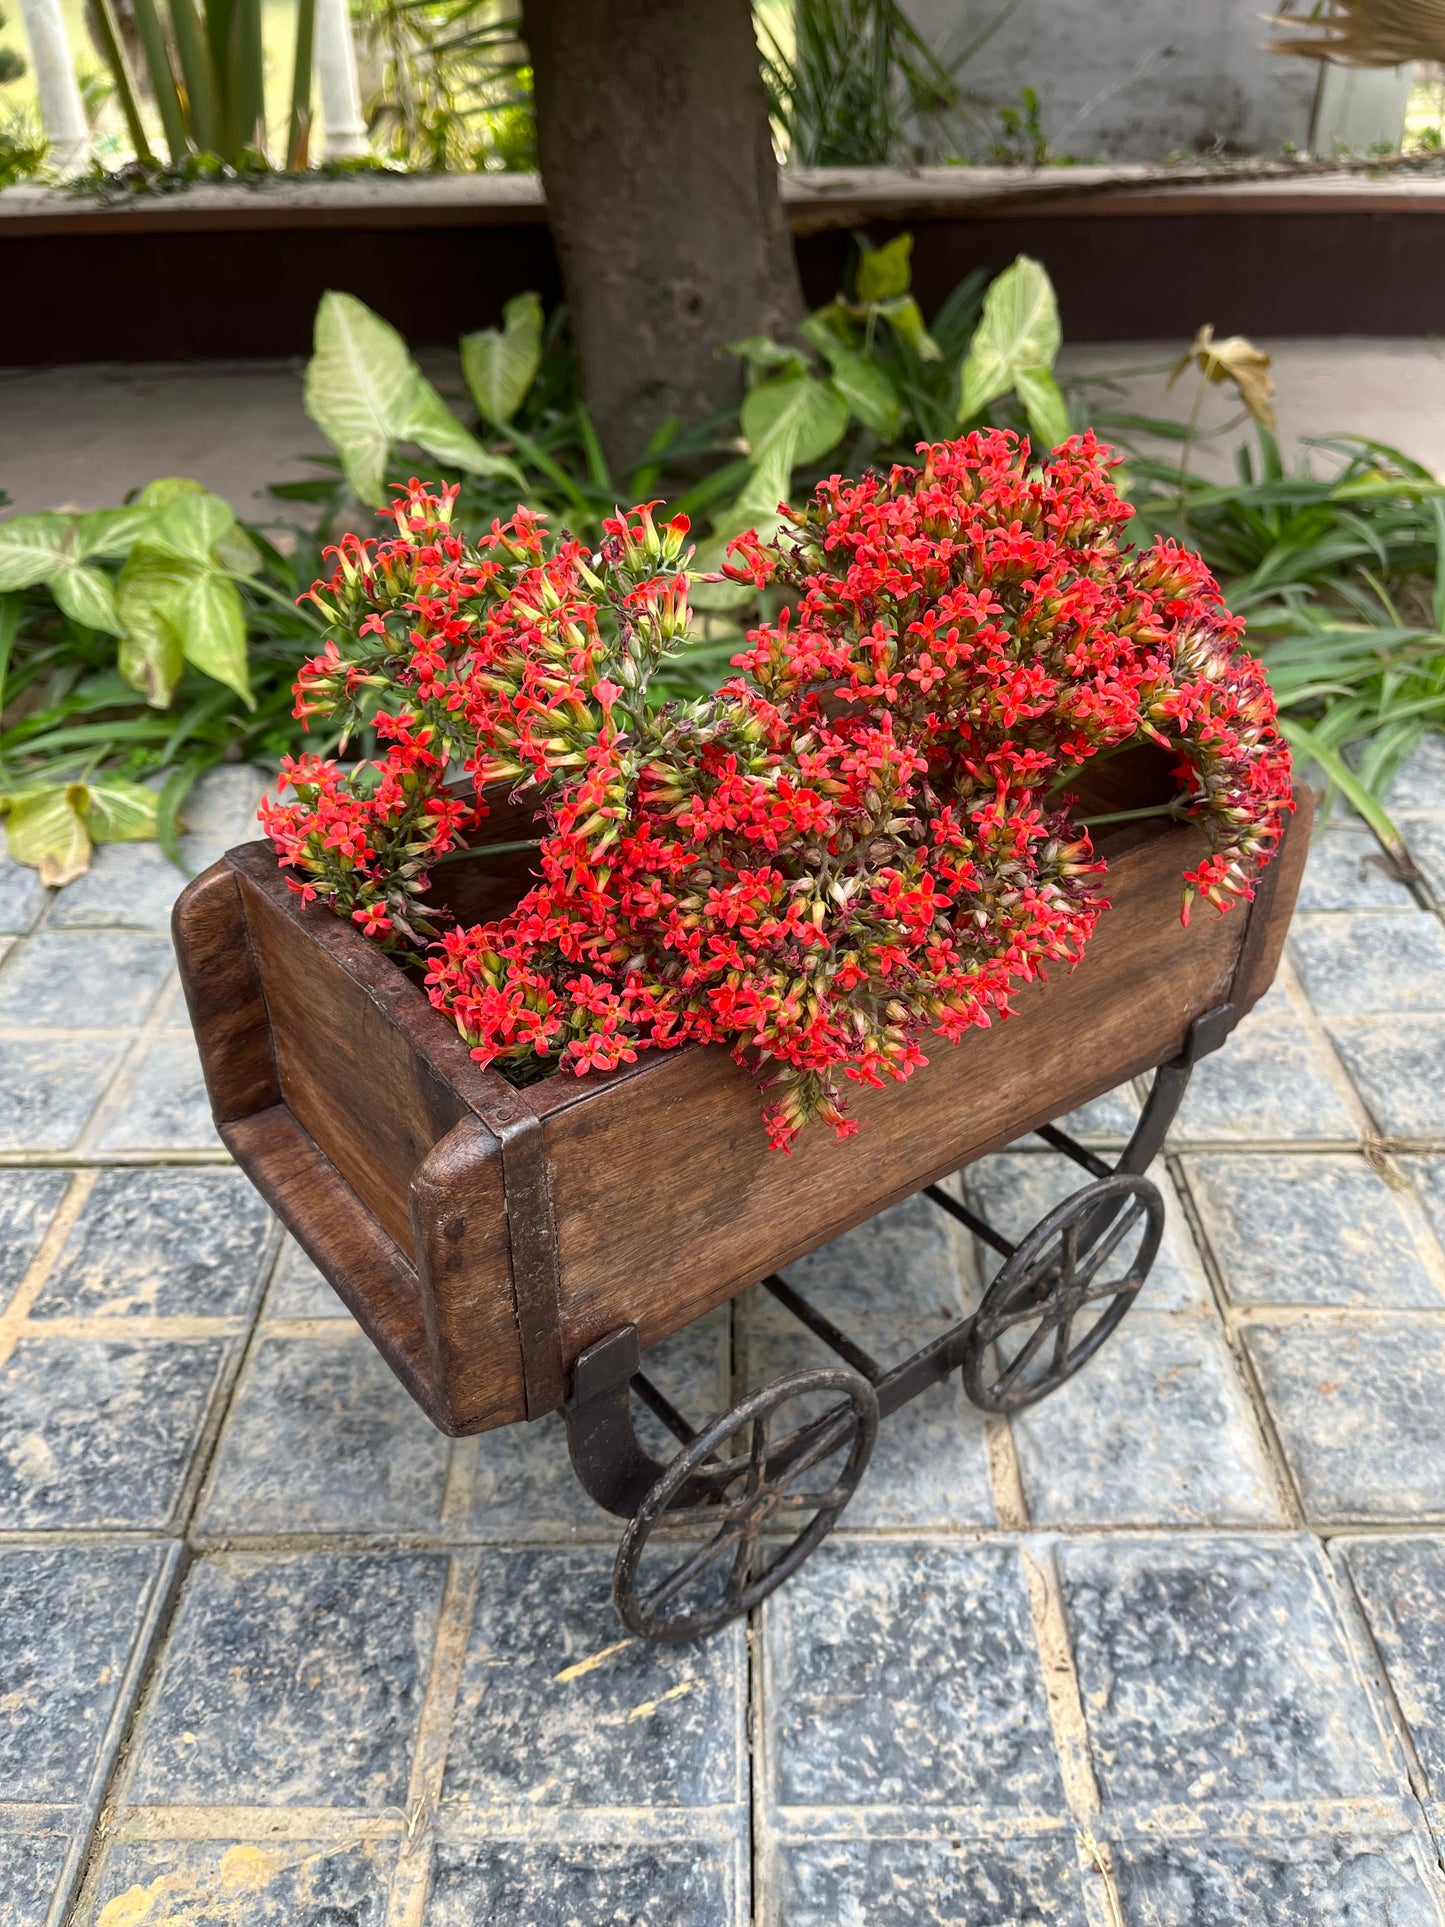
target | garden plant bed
[{"x": 511, "y": 1251}]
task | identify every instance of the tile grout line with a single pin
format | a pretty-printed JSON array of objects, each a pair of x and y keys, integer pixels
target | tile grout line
[
  {"x": 16, "y": 1315},
  {"x": 1066, "y": 1719},
  {"x": 122, "y": 1080},
  {"x": 106, "y": 1827},
  {"x": 1232, "y": 1325},
  {"x": 157, "y": 1606},
  {"x": 411, "y": 1877}
]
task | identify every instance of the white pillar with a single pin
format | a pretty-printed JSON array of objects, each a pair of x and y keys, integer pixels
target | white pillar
[
  {"x": 61, "y": 112},
  {"x": 341, "y": 122},
  {"x": 1358, "y": 108}
]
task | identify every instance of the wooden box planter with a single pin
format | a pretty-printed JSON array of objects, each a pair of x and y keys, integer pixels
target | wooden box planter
[{"x": 512, "y": 1251}]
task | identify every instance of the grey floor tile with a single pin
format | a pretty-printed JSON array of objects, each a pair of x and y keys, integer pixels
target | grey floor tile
[
  {"x": 99, "y": 1433},
  {"x": 525, "y": 1490},
  {"x": 27, "y": 1204},
  {"x": 1370, "y": 963},
  {"x": 1395, "y": 1066},
  {"x": 291, "y": 1681},
  {"x": 1109, "y": 1118},
  {"x": 222, "y": 806},
  {"x": 161, "y": 1243},
  {"x": 902, "y": 1883},
  {"x": 129, "y": 886},
  {"x": 1347, "y": 870},
  {"x": 214, "y": 1883},
  {"x": 1013, "y": 1190},
  {"x": 558, "y": 1708},
  {"x": 1419, "y": 783},
  {"x": 1268, "y": 1082},
  {"x": 83, "y": 980},
  {"x": 1155, "y": 1430},
  {"x": 906, "y": 1674},
  {"x": 1429, "y": 1176},
  {"x": 298, "y": 1289},
  {"x": 69, "y": 1620},
  {"x": 929, "y": 1469},
  {"x": 1360, "y": 1410},
  {"x": 1425, "y": 840},
  {"x": 645, "y": 1884},
  {"x": 167, "y": 1108},
  {"x": 901, "y": 1263},
  {"x": 1319, "y": 1229},
  {"x": 1343, "y": 1880},
  {"x": 1214, "y": 1670},
  {"x": 31, "y": 1868},
  {"x": 22, "y": 895},
  {"x": 1401, "y": 1587},
  {"x": 320, "y": 1437},
  {"x": 49, "y": 1087}
]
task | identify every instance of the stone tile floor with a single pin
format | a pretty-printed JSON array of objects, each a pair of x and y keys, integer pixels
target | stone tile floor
[{"x": 1166, "y": 1651}]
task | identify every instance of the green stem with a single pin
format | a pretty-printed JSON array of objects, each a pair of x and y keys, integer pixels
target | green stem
[
  {"x": 298, "y": 138},
  {"x": 114, "y": 54},
  {"x": 489, "y": 849},
  {"x": 198, "y": 73},
  {"x": 163, "y": 81},
  {"x": 9, "y": 629},
  {"x": 1190, "y": 430},
  {"x": 1130, "y": 816},
  {"x": 247, "y": 78}
]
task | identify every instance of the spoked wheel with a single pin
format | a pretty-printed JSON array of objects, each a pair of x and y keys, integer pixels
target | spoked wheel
[
  {"x": 1062, "y": 1293},
  {"x": 796, "y": 1483}
]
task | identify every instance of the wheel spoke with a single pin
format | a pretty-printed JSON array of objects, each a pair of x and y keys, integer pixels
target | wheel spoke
[
  {"x": 743, "y": 1560},
  {"x": 680, "y": 1518},
  {"x": 827, "y": 1441},
  {"x": 1025, "y": 1356},
  {"x": 758, "y": 1456},
  {"x": 1062, "y": 1333},
  {"x": 670, "y": 1587},
  {"x": 836, "y": 1495},
  {"x": 1110, "y": 1242}
]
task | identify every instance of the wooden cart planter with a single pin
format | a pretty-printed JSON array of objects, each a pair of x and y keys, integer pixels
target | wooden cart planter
[{"x": 511, "y": 1252}]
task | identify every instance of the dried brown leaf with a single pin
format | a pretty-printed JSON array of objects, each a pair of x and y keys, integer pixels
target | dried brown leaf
[
  {"x": 1235, "y": 360},
  {"x": 1370, "y": 33}
]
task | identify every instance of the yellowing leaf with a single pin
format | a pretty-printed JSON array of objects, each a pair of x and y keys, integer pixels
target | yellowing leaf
[
  {"x": 116, "y": 811},
  {"x": 1237, "y": 361},
  {"x": 1019, "y": 330},
  {"x": 46, "y": 831},
  {"x": 500, "y": 364}
]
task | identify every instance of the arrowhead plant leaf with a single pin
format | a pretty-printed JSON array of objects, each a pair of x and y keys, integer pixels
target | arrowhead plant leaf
[
  {"x": 500, "y": 364},
  {"x": 1019, "y": 331}
]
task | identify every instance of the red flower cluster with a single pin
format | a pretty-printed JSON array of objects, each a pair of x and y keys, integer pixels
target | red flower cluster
[{"x": 864, "y": 836}]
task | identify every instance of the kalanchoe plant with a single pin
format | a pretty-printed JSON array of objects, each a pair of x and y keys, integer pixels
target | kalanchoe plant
[{"x": 866, "y": 835}]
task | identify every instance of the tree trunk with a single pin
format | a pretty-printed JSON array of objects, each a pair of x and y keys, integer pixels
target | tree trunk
[{"x": 653, "y": 142}]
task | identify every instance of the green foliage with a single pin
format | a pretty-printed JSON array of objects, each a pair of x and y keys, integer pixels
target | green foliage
[
  {"x": 448, "y": 84},
  {"x": 205, "y": 68},
  {"x": 1014, "y": 350},
  {"x": 366, "y": 395},
  {"x": 500, "y": 364},
  {"x": 1341, "y": 578},
  {"x": 107, "y": 724}
]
